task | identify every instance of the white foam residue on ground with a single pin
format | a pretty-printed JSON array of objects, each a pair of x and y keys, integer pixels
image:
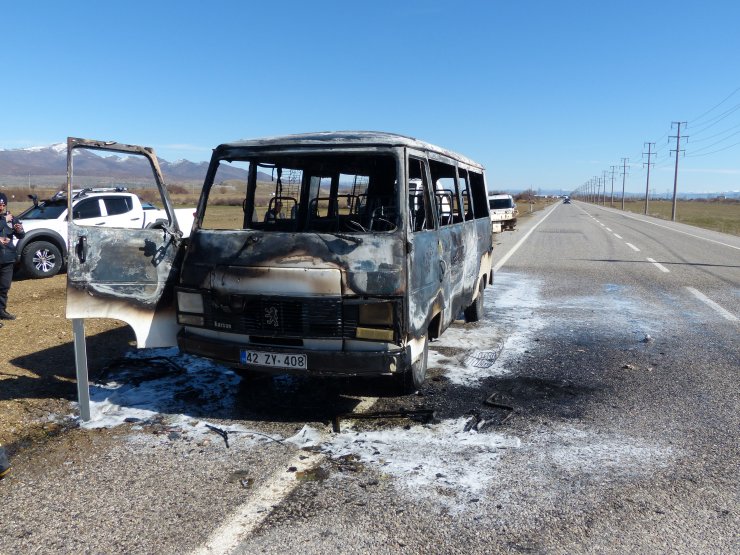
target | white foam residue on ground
[
  {"x": 507, "y": 330},
  {"x": 423, "y": 458},
  {"x": 438, "y": 461},
  {"x": 478, "y": 349},
  {"x": 443, "y": 463},
  {"x": 141, "y": 393},
  {"x": 586, "y": 453}
]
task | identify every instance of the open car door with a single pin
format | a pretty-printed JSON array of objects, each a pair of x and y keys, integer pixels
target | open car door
[{"x": 126, "y": 273}]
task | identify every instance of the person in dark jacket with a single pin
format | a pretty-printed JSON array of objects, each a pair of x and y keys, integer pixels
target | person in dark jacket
[{"x": 9, "y": 228}]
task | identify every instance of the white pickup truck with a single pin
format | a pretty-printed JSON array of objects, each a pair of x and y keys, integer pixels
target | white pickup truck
[{"x": 43, "y": 251}]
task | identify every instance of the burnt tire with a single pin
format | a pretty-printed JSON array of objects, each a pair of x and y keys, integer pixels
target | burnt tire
[
  {"x": 413, "y": 377},
  {"x": 41, "y": 259},
  {"x": 475, "y": 311}
]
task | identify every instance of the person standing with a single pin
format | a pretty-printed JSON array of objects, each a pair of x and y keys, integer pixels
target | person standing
[
  {"x": 9, "y": 228},
  {"x": 274, "y": 213}
]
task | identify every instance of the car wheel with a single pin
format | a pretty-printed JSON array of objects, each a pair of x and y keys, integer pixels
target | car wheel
[
  {"x": 41, "y": 259},
  {"x": 413, "y": 377},
  {"x": 475, "y": 311}
]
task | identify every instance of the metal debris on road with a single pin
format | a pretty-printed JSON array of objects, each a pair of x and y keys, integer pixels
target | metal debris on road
[
  {"x": 492, "y": 401},
  {"x": 423, "y": 415},
  {"x": 472, "y": 422},
  {"x": 150, "y": 368},
  {"x": 223, "y": 433}
]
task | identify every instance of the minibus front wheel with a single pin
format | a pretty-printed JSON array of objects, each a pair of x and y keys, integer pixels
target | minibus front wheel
[{"x": 413, "y": 377}]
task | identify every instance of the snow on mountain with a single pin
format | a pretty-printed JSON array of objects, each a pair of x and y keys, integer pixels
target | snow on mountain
[{"x": 51, "y": 161}]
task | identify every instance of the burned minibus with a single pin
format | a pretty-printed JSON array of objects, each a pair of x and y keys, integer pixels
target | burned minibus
[{"x": 336, "y": 253}]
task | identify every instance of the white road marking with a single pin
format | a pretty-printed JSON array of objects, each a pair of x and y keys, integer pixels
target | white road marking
[
  {"x": 711, "y": 304},
  {"x": 227, "y": 537},
  {"x": 679, "y": 231},
  {"x": 519, "y": 243},
  {"x": 617, "y": 236},
  {"x": 659, "y": 266},
  {"x": 633, "y": 247},
  {"x": 609, "y": 230},
  {"x": 241, "y": 523}
]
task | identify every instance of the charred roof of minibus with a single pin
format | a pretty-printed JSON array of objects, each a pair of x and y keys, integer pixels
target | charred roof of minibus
[{"x": 334, "y": 140}]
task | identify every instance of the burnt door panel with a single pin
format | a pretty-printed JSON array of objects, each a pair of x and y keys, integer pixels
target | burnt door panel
[
  {"x": 427, "y": 271},
  {"x": 123, "y": 273}
]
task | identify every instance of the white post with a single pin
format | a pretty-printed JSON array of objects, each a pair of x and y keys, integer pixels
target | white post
[{"x": 83, "y": 386}]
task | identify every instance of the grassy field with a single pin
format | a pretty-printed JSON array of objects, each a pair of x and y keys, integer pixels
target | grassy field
[
  {"x": 717, "y": 215},
  {"x": 225, "y": 210},
  {"x": 527, "y": 208}
]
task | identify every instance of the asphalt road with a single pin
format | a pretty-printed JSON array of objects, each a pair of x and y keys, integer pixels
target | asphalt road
[{"x": 593, "y": 409}]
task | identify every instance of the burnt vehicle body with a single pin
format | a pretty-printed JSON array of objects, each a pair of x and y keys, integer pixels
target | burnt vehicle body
[
  {"x": 347, "y": 253},
  {"x": 119, "y": 272}
]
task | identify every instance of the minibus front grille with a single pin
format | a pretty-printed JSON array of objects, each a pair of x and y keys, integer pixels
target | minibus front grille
[{"x": 280, "y": 317}]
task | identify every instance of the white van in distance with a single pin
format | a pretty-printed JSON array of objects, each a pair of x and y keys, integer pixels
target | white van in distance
[{"x": 503, "y": 212}]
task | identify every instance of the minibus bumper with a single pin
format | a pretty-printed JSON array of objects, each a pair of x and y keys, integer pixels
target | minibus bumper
[{"x": 319, "y": 363}]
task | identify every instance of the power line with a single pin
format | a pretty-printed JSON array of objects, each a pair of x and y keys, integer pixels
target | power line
[
  {"x": 716, "y": 134},
  {"x": 718, "y": 142},
  {"x": 716, "y": 105},
  {"x": 714, "y": 121},
  {"x": 713, "y": 152}
]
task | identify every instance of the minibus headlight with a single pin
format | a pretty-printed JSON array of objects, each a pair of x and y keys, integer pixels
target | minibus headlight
[
  {"x": 190, "y": 302},
  {"x": 376, "y": 314}
]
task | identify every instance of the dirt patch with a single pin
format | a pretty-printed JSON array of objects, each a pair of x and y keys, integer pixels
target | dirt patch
[{"x": 37, "y": 371}]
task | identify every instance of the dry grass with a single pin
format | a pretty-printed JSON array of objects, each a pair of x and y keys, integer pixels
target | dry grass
[
  {"x": 37, "y": 371},
  {"x": 528, "y": 208},
  {"x": 717, "y": 215}
]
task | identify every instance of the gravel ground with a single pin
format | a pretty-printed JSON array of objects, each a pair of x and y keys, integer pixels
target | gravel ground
[{"x": 37, "y": 372}]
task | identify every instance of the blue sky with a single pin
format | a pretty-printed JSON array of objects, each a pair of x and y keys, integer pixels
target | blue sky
[{"x": 545, "y": 94}]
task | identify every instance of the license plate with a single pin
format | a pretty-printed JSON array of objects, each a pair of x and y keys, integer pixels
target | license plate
[{"x": 297, "y": 361}]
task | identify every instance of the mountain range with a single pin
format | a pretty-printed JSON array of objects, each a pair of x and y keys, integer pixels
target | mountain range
[{"x": 49, "y": 164}]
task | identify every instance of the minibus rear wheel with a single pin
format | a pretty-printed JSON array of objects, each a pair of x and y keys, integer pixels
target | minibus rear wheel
[{"x": 475, "y": 311}]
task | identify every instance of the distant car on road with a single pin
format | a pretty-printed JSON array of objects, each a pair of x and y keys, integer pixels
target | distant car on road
[{"x": 567, "y": 200}]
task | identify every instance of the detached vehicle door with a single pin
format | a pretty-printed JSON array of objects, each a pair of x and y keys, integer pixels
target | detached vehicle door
[{"x": 118, "y": 272}]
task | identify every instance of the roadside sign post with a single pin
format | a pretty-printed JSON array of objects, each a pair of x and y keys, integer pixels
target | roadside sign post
[{"x": 83, "y": 385}]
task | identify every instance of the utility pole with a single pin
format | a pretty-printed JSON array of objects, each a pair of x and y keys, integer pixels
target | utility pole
[
  {"x": 603, "y": 198},
  {"x": 591, "y": 190},
  {"x": 675, "y": 174},
  {"x": 611, "y": 202},
  {"x": 624, "y": 174},
  {"x": 647, "y": 183},
  {"x": 596, "y": 189}
]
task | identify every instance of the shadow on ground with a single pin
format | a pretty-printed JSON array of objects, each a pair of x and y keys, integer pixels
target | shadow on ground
[{"x": 53, "y": 370}]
